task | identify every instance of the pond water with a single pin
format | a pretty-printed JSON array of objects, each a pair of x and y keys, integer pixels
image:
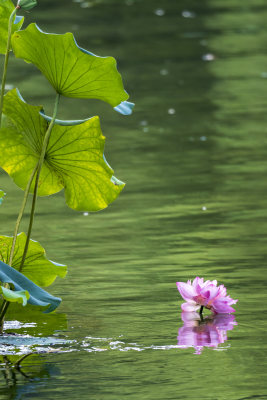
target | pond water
[{"x": 194, "y": 157}]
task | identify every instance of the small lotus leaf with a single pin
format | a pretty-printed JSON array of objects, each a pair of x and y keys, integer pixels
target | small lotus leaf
[
  {"x": 15, "y": 296},
  {"x": 38, "y": 296},
  {"x": 71, "y": 70},
  {"x": 37, "y": 267},
  {"x": 6, "y": 8},
  {"x": 1, "y": 196},
  {"x": 74, "y": 158}
]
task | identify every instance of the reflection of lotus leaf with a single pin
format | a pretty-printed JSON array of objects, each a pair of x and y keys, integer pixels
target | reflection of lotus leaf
[
  {"x": 208, "y": 332},
  {"x": 33, "y": 322},
  {"x": 35, "y": 371}
]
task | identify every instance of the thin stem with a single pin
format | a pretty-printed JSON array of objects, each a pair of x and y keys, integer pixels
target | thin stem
[
  {"x": 8, "y": 46},
  {"x": 3, "y": 311},
  {"x": 6, "y": 303},
  {"x": 26, "y": 194},
  {"x": 40, "y": 164},
  {"x": 201, "y": 310}
]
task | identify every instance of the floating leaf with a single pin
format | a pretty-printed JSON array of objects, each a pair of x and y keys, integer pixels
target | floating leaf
[
  {"x": 19, "y": 296},
  {"x": 38, "y": 296},
  {"x": 37, "y": 267},
  {"x": 74, "y": 158},
  {"x": 6, "y": 8},
  {"x": 1, "y": 196},
  {"x": 71, "y": 70}
]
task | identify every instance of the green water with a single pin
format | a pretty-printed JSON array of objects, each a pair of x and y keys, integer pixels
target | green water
[{"x": 194, "y": 157}]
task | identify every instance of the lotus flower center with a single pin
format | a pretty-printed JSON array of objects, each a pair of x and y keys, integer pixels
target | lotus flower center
[{"x": 200, "y": 300}]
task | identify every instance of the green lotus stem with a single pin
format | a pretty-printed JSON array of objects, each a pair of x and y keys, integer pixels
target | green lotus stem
[
  {"x": 40, "y": 164},
  {"x": 6, "y": 303},
  {"x": 26, "y": 194},
  {"x": 3, "y": 311},
  {"x": 36, "y": 171},
  {"x": 8, "y": 46}
]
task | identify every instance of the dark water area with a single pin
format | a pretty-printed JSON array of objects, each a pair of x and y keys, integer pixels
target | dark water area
[{"x": 194, "y": 159}]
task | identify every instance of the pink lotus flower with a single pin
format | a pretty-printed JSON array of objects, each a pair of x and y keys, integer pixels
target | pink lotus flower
[
  {"x": 206, "y": 294},
  {"x": 209, "y": 332}
]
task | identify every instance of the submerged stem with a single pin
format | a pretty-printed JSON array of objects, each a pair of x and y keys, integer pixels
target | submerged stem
[
  {"x": 8, "y": 46},
  {"x": 17, "y": 363},
  {"x": 40, "y": 164}
]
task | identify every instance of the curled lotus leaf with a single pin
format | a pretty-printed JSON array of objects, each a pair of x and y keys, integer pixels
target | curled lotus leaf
[
  {"x": 63, "y": 122},
  {"x": 71, "y": 70},
  {"x": 6, "y": 8},
  {"x": 36, "y": 267},
  {"x": 2, "y": 193},
  {"x": 73, "y": 161},
  {"x": 38, "y": 296},
  {"x": 15, "y": 296}
]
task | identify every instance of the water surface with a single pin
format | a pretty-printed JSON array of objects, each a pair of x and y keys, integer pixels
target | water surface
[{"x": 193, "y": 156}]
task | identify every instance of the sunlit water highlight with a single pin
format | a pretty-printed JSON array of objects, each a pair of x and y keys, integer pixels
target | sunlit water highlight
[{"x": 196, "y": 332}]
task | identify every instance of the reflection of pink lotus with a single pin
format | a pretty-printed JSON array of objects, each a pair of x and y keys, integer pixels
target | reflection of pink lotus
[
  {"x": 209, "y": 332},
  {"x": 206, "y": 294}
]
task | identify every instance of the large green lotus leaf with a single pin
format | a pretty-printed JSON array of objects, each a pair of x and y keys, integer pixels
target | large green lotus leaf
[
  {"x": 6, "y": 8},
  {"x": 15, "y": 296},
  {"x": 71, "y": 70},
  {"x": 74, "y": 158},
  {"x": 21, "y": 141},
  {"x": 37, "y": 267},
  {"x": 1, "y": 196},
  {"x": 38, "y": 296}
]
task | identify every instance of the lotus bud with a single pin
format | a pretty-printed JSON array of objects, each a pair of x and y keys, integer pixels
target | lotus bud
[{"x": 26, "y": 4}]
